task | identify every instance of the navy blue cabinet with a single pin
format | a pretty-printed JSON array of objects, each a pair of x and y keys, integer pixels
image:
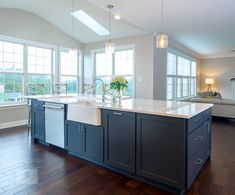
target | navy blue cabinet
[
  {"x": 119, "y": 140},
  {"x": 172, "y": 151},
  {"x": 92, "y": 142},
  {"x": 85, "y": 141},
  {"x": 164, "y": 151},
  {"x": 38, "y": 120},
  {"x": 160, "y": 149},
  {"x": 74, "y": 138},
  {"x": 198, "y": 150}
]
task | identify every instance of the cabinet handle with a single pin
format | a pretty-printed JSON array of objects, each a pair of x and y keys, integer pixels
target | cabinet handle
[
  {"x": 208, "y": 127},
  {"x": 53, "y": 107},
  {"x": 82, "y": 129},
  {"x": 117, "y": 113},
  {"x": 200, "y": 138},
  {"x": 198, "y": 162}
]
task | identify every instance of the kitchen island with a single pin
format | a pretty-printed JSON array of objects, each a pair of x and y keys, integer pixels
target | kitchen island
[{"x": 163, "y": 143}]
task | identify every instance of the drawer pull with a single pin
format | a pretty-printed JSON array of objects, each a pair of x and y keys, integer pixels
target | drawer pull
[
  {"x": 200, "y": 138},
  {"x": 198, "y": 162},
  {"x": 117, "y": 113}
]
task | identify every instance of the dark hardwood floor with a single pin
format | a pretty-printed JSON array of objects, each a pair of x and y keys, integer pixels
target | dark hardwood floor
[{"x": 60, "y": 173}]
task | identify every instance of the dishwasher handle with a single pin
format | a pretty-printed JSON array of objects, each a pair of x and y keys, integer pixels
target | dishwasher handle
[{"x": 54, "y": 107}]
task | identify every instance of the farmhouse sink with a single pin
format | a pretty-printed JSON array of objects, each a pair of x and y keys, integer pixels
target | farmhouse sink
[{"x": 85, "y": 112}]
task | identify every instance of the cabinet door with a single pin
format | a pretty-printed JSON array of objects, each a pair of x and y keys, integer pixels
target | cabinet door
[
  {"x": 38, "y": 123},
  {"x": 74, "y": 138},
  {"x": 38, "y": 120},
  {"x": 119, "y": 140},
  {"x": 161, "y": 149},
  {"x": 92, "y": 142}
]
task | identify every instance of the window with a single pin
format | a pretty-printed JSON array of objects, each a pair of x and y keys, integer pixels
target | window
[
  {"x": 40, "y": 67},
  {"x": 120, "y": 63},
  {"x": 69, "y": 71},
  {"x": 123, "y": 62},
  {"x": 28, "y": 67},
  {"x": 181, "y": 77},
  {"x": 11, "y": 72}
]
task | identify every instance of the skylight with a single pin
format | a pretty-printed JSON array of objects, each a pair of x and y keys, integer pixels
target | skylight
[{"x": 87, "y": 20}]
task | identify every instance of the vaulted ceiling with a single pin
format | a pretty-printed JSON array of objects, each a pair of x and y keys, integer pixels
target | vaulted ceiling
[
  {"x": 58, "y": 13},
  {"x": 205, "y": 27}
]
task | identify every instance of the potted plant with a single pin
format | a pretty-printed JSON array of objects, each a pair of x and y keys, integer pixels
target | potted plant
[{"x": 118, "y": 84}]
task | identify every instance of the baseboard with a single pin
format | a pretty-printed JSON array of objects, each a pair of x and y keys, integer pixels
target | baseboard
[{"x": 13, "y": 124}]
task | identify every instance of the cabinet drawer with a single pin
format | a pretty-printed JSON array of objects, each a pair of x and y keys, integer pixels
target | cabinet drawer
[
  {"x": 198, "y": 148},
  {"x": 198, "y": 120}
]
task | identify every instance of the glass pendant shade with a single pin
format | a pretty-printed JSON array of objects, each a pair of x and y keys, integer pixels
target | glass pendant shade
[
  {"x": 73, "y": 51},
  {"x": 109, "y": 47},
  {"x": 162, "y": 41}
]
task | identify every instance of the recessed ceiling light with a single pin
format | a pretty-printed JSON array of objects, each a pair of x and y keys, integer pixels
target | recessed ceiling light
[
  {"x": 90, "y": 22},
  {"x": 117, "y": 17}
]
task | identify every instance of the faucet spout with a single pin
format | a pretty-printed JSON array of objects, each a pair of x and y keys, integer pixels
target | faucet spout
[{"x": 103, "y": 90}]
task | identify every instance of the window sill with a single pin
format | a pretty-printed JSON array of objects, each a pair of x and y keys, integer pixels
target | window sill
[{"x": 11, "y": 105}]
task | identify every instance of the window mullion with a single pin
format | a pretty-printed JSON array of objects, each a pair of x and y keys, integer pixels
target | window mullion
[
  {"x": 25, "y": 69},
  {"x": 113, "y": 64}
]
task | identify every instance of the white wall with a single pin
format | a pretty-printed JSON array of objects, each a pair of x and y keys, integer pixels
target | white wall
[
  {"x": 13, "y": 116},
  {"x": 24, "y": 25},
  {"x": 222, "y": 70},
  {"x": 143, "y": 62},
  {"x": 160, "y": 74}
]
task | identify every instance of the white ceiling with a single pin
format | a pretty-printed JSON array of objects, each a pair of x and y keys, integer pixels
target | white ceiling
[
  {"x": 57, "y": 12},
  {"x": 207, "y": 27}
]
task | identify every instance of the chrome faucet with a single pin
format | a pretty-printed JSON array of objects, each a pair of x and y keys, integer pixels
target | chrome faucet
[{"x": 103, "y": 87}]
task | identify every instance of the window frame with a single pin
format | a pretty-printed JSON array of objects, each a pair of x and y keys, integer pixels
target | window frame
[
  {"x": 78, "y": 76},
  {"x": 117, "y": 48},
  {"x": 55, "y": 75},
  {"x": 43, "y": 46},
  {"x": 176, "y": 77},
  {"x": 13, "y": 72}
]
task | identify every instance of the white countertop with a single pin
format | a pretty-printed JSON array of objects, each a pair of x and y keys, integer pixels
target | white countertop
[{"x": 176, "y": 109}]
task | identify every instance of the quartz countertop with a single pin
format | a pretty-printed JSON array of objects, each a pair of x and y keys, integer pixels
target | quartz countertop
[{"x": 178, "y": 109}]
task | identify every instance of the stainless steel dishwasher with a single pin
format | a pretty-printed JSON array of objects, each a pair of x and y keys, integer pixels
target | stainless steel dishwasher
[{"x": 54, "y": 121}]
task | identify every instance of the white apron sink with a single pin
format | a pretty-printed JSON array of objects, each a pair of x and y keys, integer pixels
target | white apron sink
[{"x": 85, "y": 112}]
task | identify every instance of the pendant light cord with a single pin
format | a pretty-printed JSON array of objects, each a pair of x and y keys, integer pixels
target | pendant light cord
[
  {"x": 73, "y": 19},
  {"x": 110, "y": 23},
  {"x": 162, "y": 18}
]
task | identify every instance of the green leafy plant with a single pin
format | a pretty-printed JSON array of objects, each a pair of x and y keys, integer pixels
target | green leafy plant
[{"x": 118, "y": 83}]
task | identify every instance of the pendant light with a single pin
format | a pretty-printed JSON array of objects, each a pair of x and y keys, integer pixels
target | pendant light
[
  {"x": 109, "y": 46},
  {"x": 162, "y": 38},
  {"x": 73, "y": 51}
]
